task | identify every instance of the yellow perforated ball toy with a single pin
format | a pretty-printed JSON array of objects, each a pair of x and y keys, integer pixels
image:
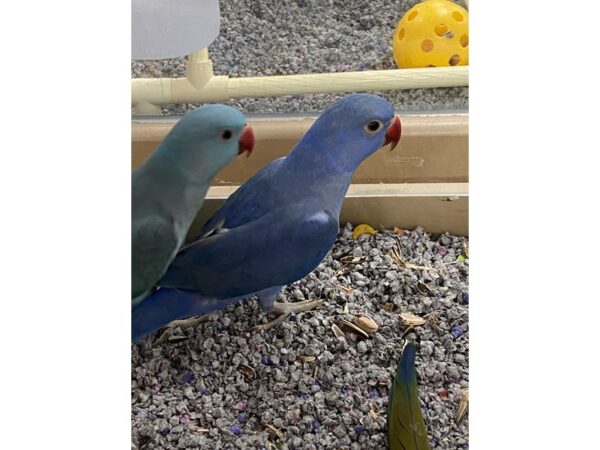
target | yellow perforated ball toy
[{"x": 434, "y": 33}]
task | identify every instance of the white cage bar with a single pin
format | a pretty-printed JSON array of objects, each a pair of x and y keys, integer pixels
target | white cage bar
[{"x": 201, "y": 85}]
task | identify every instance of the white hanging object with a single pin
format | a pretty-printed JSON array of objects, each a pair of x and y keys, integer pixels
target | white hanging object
[{"x": 170, "y": 28}]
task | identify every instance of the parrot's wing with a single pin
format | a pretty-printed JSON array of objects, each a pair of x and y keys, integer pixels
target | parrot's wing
[
  {"x": 154, "y": 245},
  {"x": 280, "y": 247},
  {"x": 406, "y": 426},
  {"x": 246, "y": 204}
]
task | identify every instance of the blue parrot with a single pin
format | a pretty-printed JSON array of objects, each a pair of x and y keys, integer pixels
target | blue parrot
[
  {"x": 169, "y": 188},
  {"x": 278, "y": 226}
]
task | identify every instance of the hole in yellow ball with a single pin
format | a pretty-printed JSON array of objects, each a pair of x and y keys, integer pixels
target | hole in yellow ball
[
  {"x": 431, "y": 65},
  {"x": 454, "y": 60},
  {"x": 440, "y": 29},
  {"x": 464, "y": 40},
  {"x": 427, "y": 45},
  {"x": 412, "y": 15},
  {"x": 401, "y": 34},
  {"x": 457, "y": 16}
]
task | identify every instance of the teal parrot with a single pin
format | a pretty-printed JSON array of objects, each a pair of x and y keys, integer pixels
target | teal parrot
[{"x": 169, "y": 188}]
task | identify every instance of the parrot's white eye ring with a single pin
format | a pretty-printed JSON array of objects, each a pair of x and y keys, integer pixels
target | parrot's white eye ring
[
  {"x": 227, "y": 135},
  {"x": 373, "y": 126}
]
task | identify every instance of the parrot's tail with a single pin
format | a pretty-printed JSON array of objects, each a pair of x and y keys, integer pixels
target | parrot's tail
[
  {"x": 406, "y": 425},
  {"x": 166, "y": 305}
]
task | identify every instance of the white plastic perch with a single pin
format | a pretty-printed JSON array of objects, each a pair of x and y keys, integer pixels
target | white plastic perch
[{"x": 201, "y": 85}]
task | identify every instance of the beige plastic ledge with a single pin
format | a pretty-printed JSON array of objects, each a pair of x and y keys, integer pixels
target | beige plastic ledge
[
  {"x": 437, "y": 207},
  {"x": 201, "y": 86},
  {"x": 433, "y": 149},
  {"x": 422, "y": 182}
]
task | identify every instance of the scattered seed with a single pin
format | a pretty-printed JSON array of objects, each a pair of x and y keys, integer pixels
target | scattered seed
[
  {"x": 248, "y": 372},
  {"x": 338, "y": 333},
  {"x": 412, "y": 320},
  {"x": 349, "y": 326},
  {"x": 463, "y": 407},
  {"x": 366, "y": 323}
]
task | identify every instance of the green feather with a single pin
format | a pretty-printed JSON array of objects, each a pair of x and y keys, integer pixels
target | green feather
[{"x": 406, "y": 426}]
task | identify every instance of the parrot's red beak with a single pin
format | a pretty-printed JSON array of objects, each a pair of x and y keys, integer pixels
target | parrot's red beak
[
  {"x": 393, "y": 133},
  {"x": 246, "y": 142}
]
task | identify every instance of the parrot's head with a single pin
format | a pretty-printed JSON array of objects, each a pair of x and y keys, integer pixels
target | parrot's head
[
  {"x": 352, "y": 129},
  {"x": 206, "y": 139}
]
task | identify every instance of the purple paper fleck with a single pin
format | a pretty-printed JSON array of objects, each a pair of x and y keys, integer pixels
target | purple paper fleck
[
  {"x": 456, "y": 331},
  {"x": 315, "y": 425},
  {"x": 187, "y": 377},
  {"x": 359, "y": 428},
  {"x": 235, "y": 429},
  {"x": 240, "y": 406}
]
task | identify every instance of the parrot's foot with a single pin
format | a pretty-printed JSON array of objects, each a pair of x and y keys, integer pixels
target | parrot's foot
[
  {"x": 273, "y": 323},
  {"x": 285, "y": 309},
  {"x": 190, "y": 321},
  {"x": 288, "y": 308},
  {"x": 182, "y": 323}
]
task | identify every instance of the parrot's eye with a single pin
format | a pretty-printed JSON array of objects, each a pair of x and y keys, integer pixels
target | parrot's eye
[
  {"x": 227, "y": 135},
  {"x": 372, "y": 126}
]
